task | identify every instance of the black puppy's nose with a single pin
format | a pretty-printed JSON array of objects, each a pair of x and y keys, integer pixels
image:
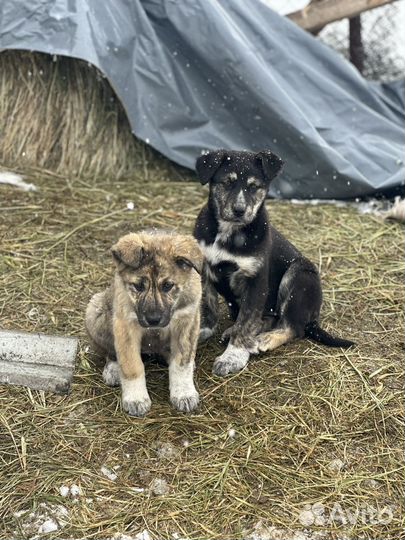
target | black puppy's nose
[
  {"x": 238, "y": 211},
  {"x": 153, "y": 319}
]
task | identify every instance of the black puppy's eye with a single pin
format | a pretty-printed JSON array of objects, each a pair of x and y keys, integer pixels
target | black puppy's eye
[
  {"x": 167, "y": 286},
  {"x": 253, "y": 188},
  {"x": 138, "y": 287}
]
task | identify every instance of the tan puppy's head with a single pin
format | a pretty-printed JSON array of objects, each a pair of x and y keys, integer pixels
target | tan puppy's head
[{"x": 160, "y": 273}]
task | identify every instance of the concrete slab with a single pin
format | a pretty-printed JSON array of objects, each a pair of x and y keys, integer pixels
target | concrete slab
[{"x": 38, "y": 361}]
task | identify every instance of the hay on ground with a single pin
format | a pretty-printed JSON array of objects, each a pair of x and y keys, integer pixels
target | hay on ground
[{"x": 305, "y": 425}]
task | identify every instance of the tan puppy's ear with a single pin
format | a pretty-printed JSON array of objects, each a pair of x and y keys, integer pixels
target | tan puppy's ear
[
  {"x": 187, "y": 253},
  {"x": 129, "y": 251}
]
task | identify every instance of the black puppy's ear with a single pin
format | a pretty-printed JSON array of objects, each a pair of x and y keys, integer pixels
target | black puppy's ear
[
  {"x": 208, "y": 164},
  {"x": 271, "y": 163}
]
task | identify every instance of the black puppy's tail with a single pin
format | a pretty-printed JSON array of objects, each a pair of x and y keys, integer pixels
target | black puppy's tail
[{"x": 315, "y": 332}]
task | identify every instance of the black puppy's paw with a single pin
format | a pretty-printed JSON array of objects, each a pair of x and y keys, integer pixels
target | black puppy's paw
[
  {"x": 205, "y": 334},
  {"x": 228, "y": 334},
  {"x": 231, "y": 361}
]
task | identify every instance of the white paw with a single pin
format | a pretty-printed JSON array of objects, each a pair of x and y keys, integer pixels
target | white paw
[
  {"x": 183, "y": 395},
  {"x": 185, "y": 402},
  {"x": 137, "y": 407},
  {"x": 205, "y": 333},
  {"x": 232, "y": 360},
  {"x": 111, "y": 373},
  {"x": 135, "y": 397}
]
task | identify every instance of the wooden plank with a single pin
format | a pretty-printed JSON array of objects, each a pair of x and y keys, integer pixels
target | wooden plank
[
  {"x": 38, "y": 361},
  {"x": 316, "y": 15}
]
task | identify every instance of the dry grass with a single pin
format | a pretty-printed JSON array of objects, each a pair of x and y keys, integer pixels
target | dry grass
[{"x": 293, "y": 412}]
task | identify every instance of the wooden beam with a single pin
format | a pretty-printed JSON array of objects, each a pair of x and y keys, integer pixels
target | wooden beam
[
  {"x": 356, "y": 49},
  {"x": 322, "y": 12}
]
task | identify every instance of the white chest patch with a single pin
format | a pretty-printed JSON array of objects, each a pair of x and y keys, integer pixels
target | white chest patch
[{"x": 216, "y": 254}]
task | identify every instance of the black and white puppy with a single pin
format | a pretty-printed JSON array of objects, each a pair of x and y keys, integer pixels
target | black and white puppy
[{"x": 273, "y": 292}]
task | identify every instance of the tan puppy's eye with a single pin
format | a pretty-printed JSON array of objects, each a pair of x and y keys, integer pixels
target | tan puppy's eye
[
  {"x": 138, "y": 287},
  {"x": 167, "y": 286}
]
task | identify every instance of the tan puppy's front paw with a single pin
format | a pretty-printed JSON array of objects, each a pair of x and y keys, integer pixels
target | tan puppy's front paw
[
  {"x": 137, "y": 408},
  {"x": 185, "y": 403},
  {"x": 183, "y": 394},
  {"x": 135, "y": 397}
]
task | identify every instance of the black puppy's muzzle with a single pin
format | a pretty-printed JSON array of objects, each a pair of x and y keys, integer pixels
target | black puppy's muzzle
[
  {"x": 238, "y": 209},
  {"x": 239, "y": 212}
]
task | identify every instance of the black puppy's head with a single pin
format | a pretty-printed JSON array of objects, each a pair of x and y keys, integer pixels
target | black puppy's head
[{"x": 239, "y": 181}]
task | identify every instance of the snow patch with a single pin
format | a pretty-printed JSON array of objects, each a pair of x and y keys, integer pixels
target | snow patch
[
  {"x": 397, "y": 211},
  {"x": 167, "y": 451},
  {"x": 48, "y": 526},
  {"x": 13, "y": 179},
  {"x": 377, "y": 207},
  {"x": 336, "y": 465},
  {"x": 44, "y": 519},
  {"x": 74, "y": 491},
  {"x": 144, "y": 535},
  {"x": 138, "y": 489},
  {"x": 64, "y": 491},
  {"x": 109, "y": 473},
  {"x": 177, "y": 536},
  {"x": 159, "y": 486},
  {"x": 261, "y": 531}
]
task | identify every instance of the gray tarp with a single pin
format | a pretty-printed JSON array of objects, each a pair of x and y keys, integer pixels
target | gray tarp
[{"x": 202, "y": 74}]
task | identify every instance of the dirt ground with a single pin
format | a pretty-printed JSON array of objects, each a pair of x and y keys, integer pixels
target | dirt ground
[{"x": 307, "y": 442}]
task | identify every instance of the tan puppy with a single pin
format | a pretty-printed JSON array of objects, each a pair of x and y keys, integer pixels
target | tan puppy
[{"x": 152, "y": 306}]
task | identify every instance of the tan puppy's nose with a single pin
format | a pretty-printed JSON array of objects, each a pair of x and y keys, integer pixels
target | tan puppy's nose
[{"x": 153, "y": 318}]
